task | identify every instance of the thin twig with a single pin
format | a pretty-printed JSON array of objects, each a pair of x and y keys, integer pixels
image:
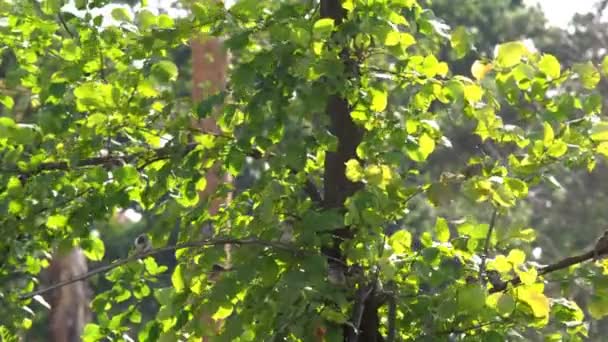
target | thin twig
[
  {"x": 392, "y": 319},
  {"x": 102, "y": 68},
  {"x": 360, "y": 307},
  {"x": 470, "y": 328},
  {"x": 563, "y": 263},
  {"x": 309, "y": 187},
  {"x": 65, "y": 25},
  {"x": 486, "y": 247},
  {"x": 110, "y": 160},
  {"x": 194, "y": 244}
]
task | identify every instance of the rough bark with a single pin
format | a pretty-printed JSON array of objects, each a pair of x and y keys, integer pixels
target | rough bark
[
  {"x": 69, "y": 304},
  {"x": 338, "y": 188},
  {"x": 209, "y": 66}
]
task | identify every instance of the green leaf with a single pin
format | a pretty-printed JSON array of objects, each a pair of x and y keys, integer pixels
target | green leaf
[
  {"x": 205, "y": 108},
  {"x": 557, "y": 149},
  {"x": 587, "y": 73},
  {"x": 354, "y": 171},
  {"x": 605, "y": 65},
  {"x": 460, "y": 41},
  {"x": 323, "y": 28},
  {"x": 334, "y": 316},
  {"x": 401, "y": 241},
  {"x": 121, "y": 14},
  {"x": 379, "y": 100},
  {"x": 392, "y": 38},
  {"x": 92, "y": 333},
  {"x": 127, "y": 175},
  {"x": 598, "y": 306},
  {"x": 51, "y": 7},
  {"x": 80, "y": 4},
  {"x": 94, "y": 248},
  {"x": 406, "y": 40},
  {"x": 473, "y": 93},
  {"x": 177, "y": 279},
  {"x": 500, "y": 263},
  {"x": 550, "y": 66},
  {"x": 7, "y": 101},
  {"x": 510, "y": 54},
  {"x": 56, "y": 221},
  {"x": 165, "y": 21},
  {"x": 599, "y": 131},
  {"x": 471, "y": 298},
  {"x": 518, "y": 187},
  {"x": 135, "y": 316},
  {"x": 146, "y": 19},
  {"x": 348, "y": 5},
  {"x": 426, "y": 146},
  {"x": 164, "y": 71},
  {"x": 548, "y": 134},
  {"x": 602, "y": 148},
  {"x": 152, "y": 267},
  {"x": 442, "y": 230},
  {"x": 403, "y": 39},
  {"x": 222, "y": 312},
  {"x": 506, "y": 304}
]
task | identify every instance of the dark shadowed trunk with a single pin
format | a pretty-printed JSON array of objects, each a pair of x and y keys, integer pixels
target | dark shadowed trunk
[{"x": 337, "y": 188}]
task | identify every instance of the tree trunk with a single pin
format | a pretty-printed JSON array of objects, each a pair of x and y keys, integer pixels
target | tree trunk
[
  {"x": 69, "y": 304},
  {"x": 337, "y": 188},
  {"x": 209, "y": 65}
]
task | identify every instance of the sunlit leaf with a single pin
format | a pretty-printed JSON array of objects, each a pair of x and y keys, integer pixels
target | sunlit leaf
[
  {"x": 587, "y": 73},
  {"x": 442, "y": 230},
  {"x": 550, "y": 66},
  {"x": 509, "y": 54},
  {"x": 480, "y": 69}
]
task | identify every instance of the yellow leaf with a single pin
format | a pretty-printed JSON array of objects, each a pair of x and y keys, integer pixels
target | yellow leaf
[
  {"x": 548, "y": 136},
  {"x": 516, "y": 257},
  {"x": 479, "y": 69},
  {"x": 537, "y": 301},
  {"x": 527, "y": 277},
  {"x": 354, "y": 171},
  {"x": 602, "y": 149},
  {"x": 223, "y": 312}
]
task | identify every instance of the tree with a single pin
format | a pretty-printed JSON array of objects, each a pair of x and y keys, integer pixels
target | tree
[{"x": 344, "y": 104}]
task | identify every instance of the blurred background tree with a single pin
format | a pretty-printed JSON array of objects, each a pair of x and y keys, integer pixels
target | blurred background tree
[{"x": 568, "y": 215}]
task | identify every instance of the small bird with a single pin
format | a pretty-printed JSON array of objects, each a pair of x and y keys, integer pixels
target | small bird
[
  {"x": 216, "y": 271},
  {"x": 601, "y": 246},
  {"x": 207, "y": 230},
  {"x": 142, "y": 244},
  {"x": 495, "y": 280},
  {"x": 355, "y": 275},
  {"x": 287, "y": 233},
  {"x": 335, "y": 274}
]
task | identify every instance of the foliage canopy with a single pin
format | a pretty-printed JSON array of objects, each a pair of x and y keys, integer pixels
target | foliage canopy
[{"x": 312, "y": 89}]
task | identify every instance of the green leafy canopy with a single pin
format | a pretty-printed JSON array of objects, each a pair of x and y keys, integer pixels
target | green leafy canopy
[{"x": 108, "y": 126}]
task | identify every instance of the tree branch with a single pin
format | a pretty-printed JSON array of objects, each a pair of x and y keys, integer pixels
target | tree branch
[
  {"x": 193, "y": 244},
  {"x": 486, "y": 247},
  {"x": 65, "y": 25},
  {"x": 107, "y": 161},
  {"x": 392, "y": 319},
  {"x": 564, "y": 263},
  {"x": 309, "y": 187},
  {"x": 470, "y": 328}
]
